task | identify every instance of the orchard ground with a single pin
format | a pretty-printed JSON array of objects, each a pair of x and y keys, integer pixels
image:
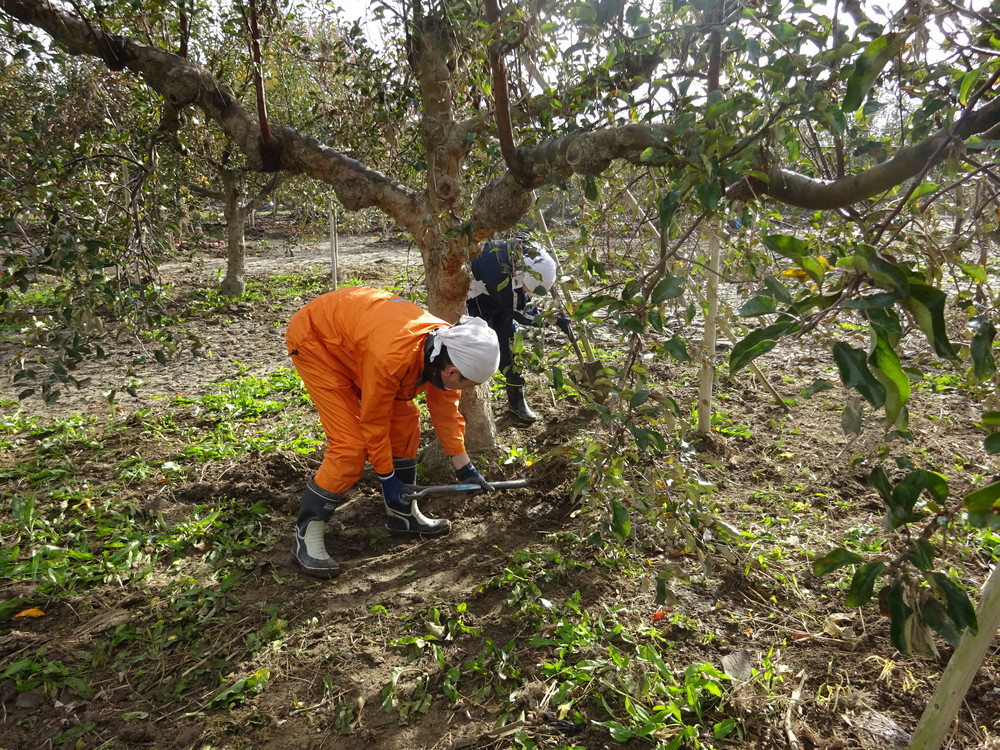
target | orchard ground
[{"x": 412, "y": 645}]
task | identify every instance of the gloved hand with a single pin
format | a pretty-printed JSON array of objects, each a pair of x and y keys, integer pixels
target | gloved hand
[
  {"x": 392, "y": 488},
  {"x": 469, "y": 474},
  {"x": 564, "y": 325},
  {"x": 530, "y": 312}
]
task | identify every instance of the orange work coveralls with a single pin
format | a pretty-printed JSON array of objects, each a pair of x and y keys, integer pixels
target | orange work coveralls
[{"x": 360, "y": 353}]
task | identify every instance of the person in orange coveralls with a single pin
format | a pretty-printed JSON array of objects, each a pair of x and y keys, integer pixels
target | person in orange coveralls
[{"x": 364, "y": 355}]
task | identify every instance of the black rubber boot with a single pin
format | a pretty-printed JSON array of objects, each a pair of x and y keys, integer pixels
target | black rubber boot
[
  {"x": 518, "y": 406},
  {"x": 405, "y": 517},
  {"x": 316, "y": 509}
]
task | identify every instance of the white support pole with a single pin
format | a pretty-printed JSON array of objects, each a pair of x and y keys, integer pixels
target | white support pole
[{"x": 940, "y": 713}]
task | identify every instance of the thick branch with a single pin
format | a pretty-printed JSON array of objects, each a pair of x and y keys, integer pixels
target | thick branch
[
  {"x": 500, "y": 204},
  {"x": 806, "y": 192}
]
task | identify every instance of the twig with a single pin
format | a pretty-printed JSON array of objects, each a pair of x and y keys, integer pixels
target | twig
[{"x": 793, "y": 741}]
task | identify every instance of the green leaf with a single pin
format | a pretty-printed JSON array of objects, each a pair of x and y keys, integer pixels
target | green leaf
[
  {"x": 968, "y": 82},
  {"x": 589, "y": 304},
  {"x": 778, "y": 290},
  {"x": 887, "y": 319},
  {"x": 885, "y": 274},
  {"x": 981, "y": 347},
  {"x": 817, "y": 386},
  {"x": 926, "y": 304},
  {"x": 709, "y": 194},
  {"x": 785, "y": 244},
  {"x": 936, "y": 484},
  {"x": 80, "y": 687},
  {"x": 869, "y": 65},
  {"x": 724, "y": 728},
  {"x": 670, "y": 287},
  {"x": 921, "y": 554},
  {"x": 974, "y": 271},
  {"x": 983, "y": 506},
  {"x": 668, "y": 207},
  {"x": 813, "y": 267},
  {"x": 905, "y": 495},
  {"x": 889, "y": 372},
  {"x": 990, "y": 419},
  {"x": 558, "y": 379},
  {"x": 640, "y": 397},
  {"x": 621, "y": 524},
  {"x": 838, "y": 558},
  {"x": 654, "y": 156},
  {"x": 992, "y": 443},
  {"x": 922, "y": 190},
  {"x": 868, "y": 302},
  {"x": 934, "y": 616},
  {"x": 899, "y": 613},
  {"x": 677, "y": 348},
  {"x": 663, "y": 593},
  {"x": 957, "y": 603},
  {"x": 631, "y": 323},
  {"x": 759, "y": 342},
  {"x": 854, "y": 373},
  {"x": 654, "y": 319},
  {"x": 880, "y": 481},
  {"x": 646, "y": 438},
  {"x": 590, "y": 188},
  {"x": 759, "y": 305},
  {"x": 630, "y": 290},
  {"x": 239, "y": 690},
  {"x": 863, "y": 583}
]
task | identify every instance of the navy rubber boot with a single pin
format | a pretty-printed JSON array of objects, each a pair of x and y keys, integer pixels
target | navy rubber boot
[
  {"x": 404, "y": 516},
  {"x": 309, "y": 549}
]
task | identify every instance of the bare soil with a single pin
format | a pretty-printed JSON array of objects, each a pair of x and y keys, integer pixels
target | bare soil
[{"x": 837, "y": 682}]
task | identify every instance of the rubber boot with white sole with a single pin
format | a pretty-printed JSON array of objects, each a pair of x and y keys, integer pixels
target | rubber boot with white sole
[
  {"x": 405, "y": 517},
  {"x": 309, "y": 548}
]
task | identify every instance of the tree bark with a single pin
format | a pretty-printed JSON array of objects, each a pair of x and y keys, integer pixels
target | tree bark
[{"x": 234, "y": 283}]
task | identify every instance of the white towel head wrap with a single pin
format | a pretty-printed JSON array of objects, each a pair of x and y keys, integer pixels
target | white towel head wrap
[
  {"x": 472, "y": 347},
  {"x": 539, "y": 272}
]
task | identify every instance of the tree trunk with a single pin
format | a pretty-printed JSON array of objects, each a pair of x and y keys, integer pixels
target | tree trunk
[
  {"x": 234, "y": 283},
  {"x": 707, "y": 386},
  {"x": 480, "y": 426}
]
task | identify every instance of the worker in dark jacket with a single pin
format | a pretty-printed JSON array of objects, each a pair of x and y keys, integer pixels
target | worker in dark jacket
[{"x": 505, "y": 276}]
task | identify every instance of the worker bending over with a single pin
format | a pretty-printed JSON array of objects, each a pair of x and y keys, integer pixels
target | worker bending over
[{"x": 364, "y": 355}]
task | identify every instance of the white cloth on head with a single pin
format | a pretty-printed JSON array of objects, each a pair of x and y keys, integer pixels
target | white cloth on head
[
  {"x": 539, "y": 273},
  {"x": 472, "y": 347}
]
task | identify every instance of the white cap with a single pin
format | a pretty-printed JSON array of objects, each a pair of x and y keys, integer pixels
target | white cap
[
  {"x": 472, "y": 347},
  {"x": 539, "y": 271}
]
